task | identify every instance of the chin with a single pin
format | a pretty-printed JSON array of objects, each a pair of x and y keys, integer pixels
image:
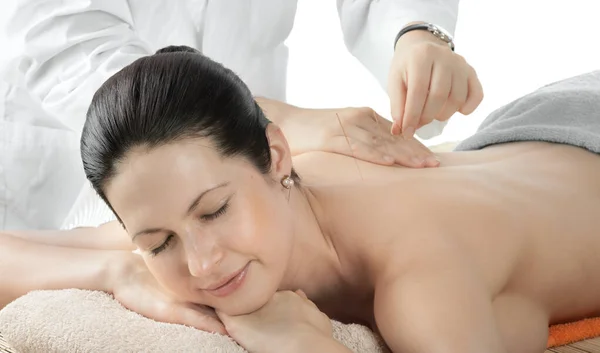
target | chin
[
  {"x": 244, "y": 306},
  {"x": 257, "y": 290}
]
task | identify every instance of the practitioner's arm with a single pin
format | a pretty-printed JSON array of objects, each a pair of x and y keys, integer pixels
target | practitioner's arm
[{"x": 355, "y": 132}]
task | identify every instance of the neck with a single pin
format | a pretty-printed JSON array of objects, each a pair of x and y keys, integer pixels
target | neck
[{"x": 314, "y": 264}]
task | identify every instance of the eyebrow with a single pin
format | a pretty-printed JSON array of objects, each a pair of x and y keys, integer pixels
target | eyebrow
[{"x": 191, "y": 209}]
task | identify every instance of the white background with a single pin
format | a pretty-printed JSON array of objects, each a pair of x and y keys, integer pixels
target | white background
[{"x": 515, "y": 47}]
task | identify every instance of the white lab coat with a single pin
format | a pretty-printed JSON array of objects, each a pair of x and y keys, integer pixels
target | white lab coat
[{"x": 59, "y": 52}]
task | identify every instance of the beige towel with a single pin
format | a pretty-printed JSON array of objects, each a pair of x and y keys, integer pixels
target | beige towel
[{"x": 87, "y": 321}]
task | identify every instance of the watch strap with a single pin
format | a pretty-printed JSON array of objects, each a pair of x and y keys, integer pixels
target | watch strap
[{"x": 427, "y": 27}]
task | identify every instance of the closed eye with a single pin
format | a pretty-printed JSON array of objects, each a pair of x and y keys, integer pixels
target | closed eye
[
  {"x": 163, "y": 246},
  {"x": 221, "y": 211}
]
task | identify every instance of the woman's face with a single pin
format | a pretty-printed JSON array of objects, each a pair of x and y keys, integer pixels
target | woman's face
[{"x": 212, "y": 230}]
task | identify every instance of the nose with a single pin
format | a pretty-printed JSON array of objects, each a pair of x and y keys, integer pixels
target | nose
[{"x": 203, "y": 257}]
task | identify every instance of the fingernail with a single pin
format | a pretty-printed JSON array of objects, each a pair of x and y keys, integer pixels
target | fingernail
[
  {"x": 408, "y": 132},
  {"x": 395, "y": 129},
  {"x": 388, "y": 159},
  {"x": 431, "y": 160}
]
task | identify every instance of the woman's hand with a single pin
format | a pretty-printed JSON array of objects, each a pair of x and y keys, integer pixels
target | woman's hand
[
  {"x": 137, "y": 290},
  {"x": 428, "y": 81},
  {"x": 289, "y": 322},
  {"x": 356, "y": 132}
]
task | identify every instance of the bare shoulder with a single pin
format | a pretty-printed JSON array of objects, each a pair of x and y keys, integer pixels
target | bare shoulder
[
  {"x": 435, "y": 291},
  {"x": 377, "y": 212},
  {"x": 326, "y": 168}
]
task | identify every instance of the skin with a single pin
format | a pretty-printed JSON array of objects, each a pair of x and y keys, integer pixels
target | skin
[
  {"x": 483, "y": 252},
  {"x": 496, "y": 245}
]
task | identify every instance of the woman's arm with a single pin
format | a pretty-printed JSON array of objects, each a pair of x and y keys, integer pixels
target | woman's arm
[
  {"x": 437, "y": 305},
  {"x": 318, "y": 343},
  {"x": 109, "y": 236},
  {"x": 289, "y": 322},
  {"x": 27, "y": 266}
]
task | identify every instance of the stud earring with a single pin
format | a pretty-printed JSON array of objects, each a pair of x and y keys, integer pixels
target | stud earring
[{"x": 287, "y": 182}]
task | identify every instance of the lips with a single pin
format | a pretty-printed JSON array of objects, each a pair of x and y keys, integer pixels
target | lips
[{"x": 230, "y": 283}]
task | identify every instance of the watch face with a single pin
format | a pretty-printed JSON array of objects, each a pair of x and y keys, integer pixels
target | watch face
[{"x": 440, "y": 33}]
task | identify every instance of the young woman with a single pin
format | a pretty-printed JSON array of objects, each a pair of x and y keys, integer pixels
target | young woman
[{"x": 478, "y": 255}]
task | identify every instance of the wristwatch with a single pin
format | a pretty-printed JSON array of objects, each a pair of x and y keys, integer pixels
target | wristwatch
[{"x": 437, "y": 31}]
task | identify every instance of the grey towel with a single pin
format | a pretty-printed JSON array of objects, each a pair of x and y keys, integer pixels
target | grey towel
[{"x": 566, "y": 112}]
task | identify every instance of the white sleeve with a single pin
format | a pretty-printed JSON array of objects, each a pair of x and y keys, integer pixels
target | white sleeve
[
  {"x": 370, "y": 27},
  {"x": 62, "y": 51}
]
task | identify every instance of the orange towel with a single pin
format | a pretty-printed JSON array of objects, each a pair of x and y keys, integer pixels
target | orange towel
[{"x": 574, "y": 331}]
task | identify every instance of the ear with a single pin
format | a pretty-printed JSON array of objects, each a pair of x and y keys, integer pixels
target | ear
[{"x": 281, "y": 156}]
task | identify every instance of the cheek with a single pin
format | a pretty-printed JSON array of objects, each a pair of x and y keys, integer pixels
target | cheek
[{"x": 263, "y": 226}]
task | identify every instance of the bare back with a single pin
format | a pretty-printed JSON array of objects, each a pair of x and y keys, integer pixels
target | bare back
[{"x": 527, "y": 215}]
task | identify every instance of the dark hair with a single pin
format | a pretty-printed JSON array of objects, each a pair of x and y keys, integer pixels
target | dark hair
[{"x": 175, "y": 94}]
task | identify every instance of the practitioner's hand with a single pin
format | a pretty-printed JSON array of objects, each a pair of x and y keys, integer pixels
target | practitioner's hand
[
  {"x": 354, "y": 132},
  {"x": 428, "y": 81},
  {"x": 284, "y": 324},
  {"x": 137, "y": 290}
]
